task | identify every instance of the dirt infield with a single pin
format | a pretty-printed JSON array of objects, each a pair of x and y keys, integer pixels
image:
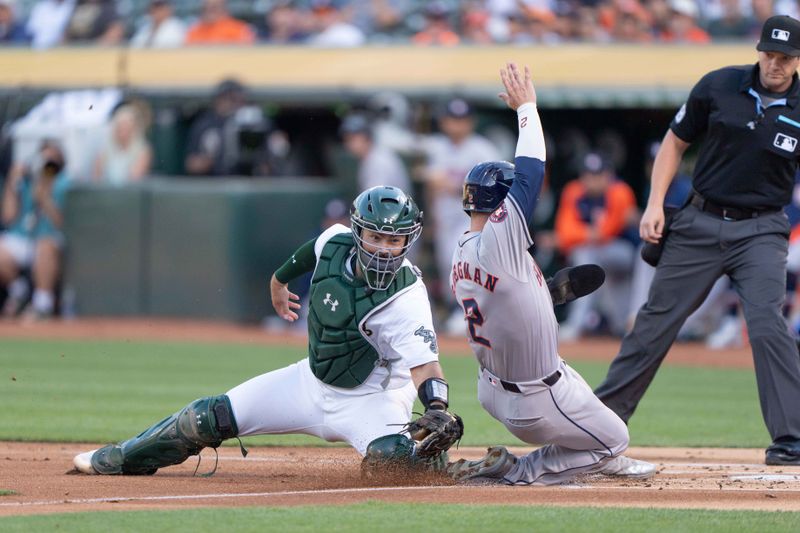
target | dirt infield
[{"x": 686, "y": 478}]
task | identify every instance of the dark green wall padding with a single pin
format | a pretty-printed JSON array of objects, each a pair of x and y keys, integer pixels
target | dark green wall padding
[{"x": 186, "y": 248}]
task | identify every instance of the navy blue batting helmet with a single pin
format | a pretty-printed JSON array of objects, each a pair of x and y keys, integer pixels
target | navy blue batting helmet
[{"x": 486, "y": 186}]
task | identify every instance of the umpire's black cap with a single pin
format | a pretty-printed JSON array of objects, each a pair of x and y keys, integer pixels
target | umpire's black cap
[{"x": 780, "y": 33}]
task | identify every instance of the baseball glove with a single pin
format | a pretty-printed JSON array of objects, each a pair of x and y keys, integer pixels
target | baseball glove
[{"x": 435, "y": 432}]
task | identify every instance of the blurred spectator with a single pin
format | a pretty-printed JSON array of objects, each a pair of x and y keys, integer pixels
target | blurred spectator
[
  {"x": 161, "y": 29},
  {"x": 379, "y": 19},
  {"x": 377, "y": 164},
  {"x": 47, "y": 21},
  {"x": 475, "y": 23},
  {"x": 437, "y": 30},
  {"x": 285, "y": 24},
  {"x": 391, "y": 127},
  {"x": 682, "y": 26},
  {"x": 32, "y": 205},
  {"x": 451, "y": 155},
  {"x": 660, "y": 13},
  {"x": 333, "y": 28},
  {"x": 761, "y": 11},
  {"x": 94, "y": 22},
  {"x": 234, "y": 138},
  {"x": 207, "y": 149},
  {"x": 583, "y": 25},
  {"x": 11, "y": 31},
  {"x": 631, "y": 27},
  {"x": 731, "y": 24},
  {"x": 126, "y": 156},
  {"x": 217, "y": 26},
  {"x": 593, "y": 215},
  {"x": 535, "y": 26}
]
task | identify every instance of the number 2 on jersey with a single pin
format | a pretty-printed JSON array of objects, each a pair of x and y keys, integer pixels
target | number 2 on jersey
[{"x": 474, "y": 319}]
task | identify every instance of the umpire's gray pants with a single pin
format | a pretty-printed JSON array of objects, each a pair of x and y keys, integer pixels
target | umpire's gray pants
[{"x": 700, "y": 248}]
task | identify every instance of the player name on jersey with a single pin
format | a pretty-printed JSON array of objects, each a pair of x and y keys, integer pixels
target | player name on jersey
[{"x": 463, "y": 270}]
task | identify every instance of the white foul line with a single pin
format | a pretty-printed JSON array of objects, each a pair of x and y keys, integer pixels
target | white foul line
[
  {"x": 233, "y": 495},
  {"x": 354, "y": 490}
]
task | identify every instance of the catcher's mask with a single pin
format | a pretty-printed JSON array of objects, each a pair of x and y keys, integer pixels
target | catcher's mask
[
  {"x": 486, "y": 186},
  {"x": 386, "y": 211}
]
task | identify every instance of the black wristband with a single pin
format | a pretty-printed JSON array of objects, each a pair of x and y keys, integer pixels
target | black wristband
[{"x": 433, "y": 390}]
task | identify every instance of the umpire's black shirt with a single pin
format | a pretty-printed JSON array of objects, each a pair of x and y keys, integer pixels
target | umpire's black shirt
[{"x": 751, "y": 149}]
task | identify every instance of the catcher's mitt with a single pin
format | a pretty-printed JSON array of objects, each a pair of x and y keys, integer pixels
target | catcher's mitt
[{"x": 435, "y": 432}]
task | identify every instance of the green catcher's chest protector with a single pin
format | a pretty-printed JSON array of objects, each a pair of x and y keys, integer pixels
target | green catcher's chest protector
[{"x": 338, "y": 351}]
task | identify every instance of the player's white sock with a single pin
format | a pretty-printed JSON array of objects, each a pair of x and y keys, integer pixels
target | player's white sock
[{"x": 43, "y": 302}]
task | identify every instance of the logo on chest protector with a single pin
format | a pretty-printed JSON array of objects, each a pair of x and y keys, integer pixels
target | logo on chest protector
[
  {"x": 333, "y": 303},
  {"x": 428, "y": 336},
  {"x": 784, "y": 142}
]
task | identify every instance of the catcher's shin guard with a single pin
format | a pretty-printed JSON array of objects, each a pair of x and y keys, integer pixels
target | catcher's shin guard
[
  {"x": 205, "y": 422},
  {"x": 394, "y": 453}
]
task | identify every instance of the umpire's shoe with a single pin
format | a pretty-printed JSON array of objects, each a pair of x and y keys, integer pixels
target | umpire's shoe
[
  {"x": 492, "y": 467},
  {"x": 784, "y": 452},
  {"x": 83, "y": 463}
]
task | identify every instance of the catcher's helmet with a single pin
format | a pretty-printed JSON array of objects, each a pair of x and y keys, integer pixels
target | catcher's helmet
[
  {"x": 486, "y": 186},
  {"x": 387, "y": 210}
]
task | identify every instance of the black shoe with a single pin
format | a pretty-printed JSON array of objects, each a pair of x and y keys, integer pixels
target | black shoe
[{"x": 784, "y": 453}]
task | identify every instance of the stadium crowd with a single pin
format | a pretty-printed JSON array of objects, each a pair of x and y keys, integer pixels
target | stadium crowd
[{"x": 343, "y": 23}]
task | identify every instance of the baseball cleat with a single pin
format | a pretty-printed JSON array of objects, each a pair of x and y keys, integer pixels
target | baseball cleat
[
  {"x": 83, "y": 463},
  {"x": 497, "y": 462},
  {"x": 571, "y": 283},
  {"x": 622, "y": 466}
]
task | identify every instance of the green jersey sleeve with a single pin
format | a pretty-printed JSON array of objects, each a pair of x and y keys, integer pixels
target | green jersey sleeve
[{"x": 302, "y": 261}]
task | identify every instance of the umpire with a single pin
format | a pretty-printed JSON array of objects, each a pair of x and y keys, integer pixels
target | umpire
[{"x": 732, "y": 224}]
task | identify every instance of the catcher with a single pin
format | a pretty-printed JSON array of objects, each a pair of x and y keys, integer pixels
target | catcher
[{"x": 372, "y": 350}]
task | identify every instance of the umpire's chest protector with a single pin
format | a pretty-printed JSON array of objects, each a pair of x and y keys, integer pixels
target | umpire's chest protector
[{"x": 339, "y": 353}]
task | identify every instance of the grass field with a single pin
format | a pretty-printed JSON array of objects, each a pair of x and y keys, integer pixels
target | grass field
[
  {"x": 371, "y": 516},
  {"x": 84, "y": 391}
]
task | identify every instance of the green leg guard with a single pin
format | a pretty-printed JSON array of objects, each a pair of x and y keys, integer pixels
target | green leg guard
[
  {"x": 393, "y": 454},
  {"x": 203, "y": 423}
]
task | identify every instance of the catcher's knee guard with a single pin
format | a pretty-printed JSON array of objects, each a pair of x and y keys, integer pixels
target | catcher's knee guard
[
  {"x": 203, "y": 423},
  {"x": 393, "y": 453}
]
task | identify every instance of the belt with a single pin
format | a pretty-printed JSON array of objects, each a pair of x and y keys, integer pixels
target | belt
[
  {"x": 550, "y": 380},
  {"x": 726, "y": 213}
]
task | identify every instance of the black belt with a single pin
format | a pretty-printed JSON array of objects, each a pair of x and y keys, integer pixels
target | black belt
[
  {"x": 550, "y": 380},
  {"x": 726, "y": 213}
]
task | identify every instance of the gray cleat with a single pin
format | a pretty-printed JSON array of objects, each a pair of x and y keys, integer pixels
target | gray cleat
[
  {"x": 497, "y": 462},
  {"x": 622, "y": 466}
]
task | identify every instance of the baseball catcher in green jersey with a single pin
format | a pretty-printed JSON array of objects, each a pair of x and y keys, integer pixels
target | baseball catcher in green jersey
[{"x": 371, "y": 351}]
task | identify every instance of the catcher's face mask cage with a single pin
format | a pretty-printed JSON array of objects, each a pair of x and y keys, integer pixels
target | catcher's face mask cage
[
  {"x": 384, "y": 211},
  {"x": 486, "y": 186}
]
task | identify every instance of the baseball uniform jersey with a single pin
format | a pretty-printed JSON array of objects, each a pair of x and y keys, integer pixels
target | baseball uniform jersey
[
  {"x": 512, "y": 329},
  {"x": 294, "y": 400}
]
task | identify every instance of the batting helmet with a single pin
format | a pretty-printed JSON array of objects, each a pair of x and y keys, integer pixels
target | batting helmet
[
  {"x": 486, "y": 186},
  {"x": 387, "y": 210}
]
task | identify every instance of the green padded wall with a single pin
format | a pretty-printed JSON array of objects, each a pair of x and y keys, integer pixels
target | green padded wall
[
  {"x": 106, "y": 250},
  {"x": 194, "y": 248}
]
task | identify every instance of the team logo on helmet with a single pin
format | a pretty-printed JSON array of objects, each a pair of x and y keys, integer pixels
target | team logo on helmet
[{"x": 499, "y": 214}]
